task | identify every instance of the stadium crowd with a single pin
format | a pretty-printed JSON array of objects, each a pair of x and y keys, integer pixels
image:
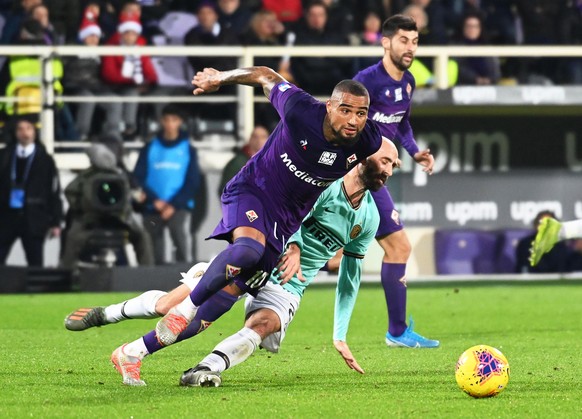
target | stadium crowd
[{"x": 251, "y": 22}]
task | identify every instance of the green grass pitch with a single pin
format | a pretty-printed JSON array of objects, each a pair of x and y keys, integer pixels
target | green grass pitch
[{"x": 50, "y": 372}]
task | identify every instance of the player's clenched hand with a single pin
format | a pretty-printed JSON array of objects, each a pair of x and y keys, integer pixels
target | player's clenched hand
[
  {"x": 425, "y": 159},
  {"x": 206, "y": 81},
  {"x": 344, "y": 351},
  {"x": 289, "y": 264}
]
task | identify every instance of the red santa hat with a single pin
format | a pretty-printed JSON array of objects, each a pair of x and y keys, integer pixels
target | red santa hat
[
  {"x": 89, "y": 27},
  {"x": 129, "y": 22}
]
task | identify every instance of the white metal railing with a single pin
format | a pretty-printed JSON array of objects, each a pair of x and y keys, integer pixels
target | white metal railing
[{"x": 246, "y": 56}]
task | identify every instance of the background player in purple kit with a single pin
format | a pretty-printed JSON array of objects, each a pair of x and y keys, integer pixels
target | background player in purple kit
[
  {"x": 264, "y": 204},
  {"x": 391, "y": 85}
]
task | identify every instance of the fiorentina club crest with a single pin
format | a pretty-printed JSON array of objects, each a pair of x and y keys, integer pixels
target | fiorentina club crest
[
  {"x": 327, "y": 157},
  {"x": 303, "y": 144},
  {"x": 232, "y": 271},
  {"x": 350, "y": 160},
  {"x": 204, "y": 325},
  {"x": 387, "y": 93},
  {"x": 251, "y": 215},
  {"x": 409, "y": 90}
]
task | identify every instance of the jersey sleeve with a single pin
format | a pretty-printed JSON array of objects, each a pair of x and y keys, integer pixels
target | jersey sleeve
[
  {"x": 350, "y": 273},
  {"x": 405, "y": 135},
  {"x": 345, "y": 298},
  {"x": 284, "y": 97}
]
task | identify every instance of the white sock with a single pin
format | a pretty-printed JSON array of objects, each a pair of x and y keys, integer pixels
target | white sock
[
  {"x": 136, "y": 348},
  {"x": 233, "y": 350},
  {"x": 571, "y": 230},
  {"x": 141, "y": 307},
  {"x": 187, "y": 308}
]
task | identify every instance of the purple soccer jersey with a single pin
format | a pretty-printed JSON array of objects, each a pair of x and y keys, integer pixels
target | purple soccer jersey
[
  {"x": 390, "y": 107},
  {"x": 278, "y": 186}
]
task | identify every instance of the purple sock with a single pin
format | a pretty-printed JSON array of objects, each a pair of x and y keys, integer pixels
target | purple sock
[
  {"x": 395, "y": 293},
  {"x": 244, "y": 253},
  {"x": 208, "y": 313}
]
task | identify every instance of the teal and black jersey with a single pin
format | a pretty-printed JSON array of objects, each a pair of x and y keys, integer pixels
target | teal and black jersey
[{"x": 332, "y": 224}]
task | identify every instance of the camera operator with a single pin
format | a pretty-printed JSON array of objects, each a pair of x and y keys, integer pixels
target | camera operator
[{"x": 100, "y": 199}]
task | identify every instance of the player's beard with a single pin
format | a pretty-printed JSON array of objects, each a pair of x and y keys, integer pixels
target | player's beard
[
  {"x": 343, "y": 141},
  {"x": 399, "y": 61},
  {"x": 371, "y": 176}
]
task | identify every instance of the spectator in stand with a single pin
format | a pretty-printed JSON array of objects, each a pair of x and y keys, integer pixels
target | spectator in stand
[
  {"x": 129, "y": 75},
  {"x": 11, "y": 30},
  {"x": 30, "y": 195},
  {"x": 434, "y": 32},
  {"x": 265, "y": 30},
  {"x": 540, "y": 20},
  {"x": 476, "y": 70},
  {"x": 23, "y": 77},
  {"x": 371, "y": 35},
  {"x": 209, "y": 32},
  {"x": 40, "y": 13},
  {"x": 168, "y": 173},
  {"x": 500, "y": 21},
  {"x": 422, "y": 68},
  {"x": 256, "y": 141},
  {"x": 340, "y": 17},
  {"x": 233, "y": 16},
  {"x": 287, "y": 11},
  {"x": 83, "y": 78},
  {"x": 319, "y": 75}
]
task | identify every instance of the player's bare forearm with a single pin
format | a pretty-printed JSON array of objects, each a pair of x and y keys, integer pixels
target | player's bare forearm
[
  {"x": 264, "y": 77},
  {"x": 210, "y": 80}
]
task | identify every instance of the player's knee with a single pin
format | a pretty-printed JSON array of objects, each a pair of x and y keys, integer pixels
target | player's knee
[
  {"x": 169, "y": 300},
  {"x": 246, "y": 251},
  {"x": 163, "y": 306},
  {"x": 264, "y": 322},
  {"x": 396, "y": 246}
]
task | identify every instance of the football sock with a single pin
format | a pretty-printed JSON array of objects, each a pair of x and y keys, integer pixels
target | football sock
[
  {"x": 394, "y": 283},
  {"x": 232, "y": 350},
  {"x": 136, "y": 348},
  {"x": 208, "y": 313},
  {"x": 244, "y": 253},
  {"x": 141, "y": 307},
  {"x": 571, "y": 230}
]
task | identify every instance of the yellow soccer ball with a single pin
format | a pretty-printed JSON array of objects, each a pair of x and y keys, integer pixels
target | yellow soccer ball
[{"x": 482, "y": 371}]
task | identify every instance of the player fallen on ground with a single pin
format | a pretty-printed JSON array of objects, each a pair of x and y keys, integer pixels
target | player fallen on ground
[
  {"x": 314, "y": 144},
  {"x": 550, "y": 232},
  {"x": 391, "y": 86},
  {"x": 344, "y": 216}
]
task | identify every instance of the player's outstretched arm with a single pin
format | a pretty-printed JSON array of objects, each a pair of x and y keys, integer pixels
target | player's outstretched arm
[
  {"x": 344, "y": 350},
  {"x": 210, "y": 80}
]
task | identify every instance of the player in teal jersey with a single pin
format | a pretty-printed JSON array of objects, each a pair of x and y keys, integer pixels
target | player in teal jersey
[{"x": 344, "y": 216}]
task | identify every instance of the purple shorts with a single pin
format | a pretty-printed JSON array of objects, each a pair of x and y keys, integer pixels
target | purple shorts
[
  {"x": 390, "y": 221},
  {"x": 244, "y": 208}
]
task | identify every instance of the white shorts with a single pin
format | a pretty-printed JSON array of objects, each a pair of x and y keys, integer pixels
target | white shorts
[
  {"x": 192, "y": 277},
  {"x": 276, "y": 298}
]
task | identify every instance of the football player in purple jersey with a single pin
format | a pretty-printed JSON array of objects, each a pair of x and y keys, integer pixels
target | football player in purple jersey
[
  {"x": 314, "y": 144},
  {"x": 391, "y": 86}
]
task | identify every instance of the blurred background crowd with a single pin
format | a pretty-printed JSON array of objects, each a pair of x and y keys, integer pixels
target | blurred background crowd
[{"x": 167, "y": 131}]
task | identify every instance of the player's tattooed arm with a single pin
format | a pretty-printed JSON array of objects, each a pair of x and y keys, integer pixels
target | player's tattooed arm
[{"x": 210, "y": 80}]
